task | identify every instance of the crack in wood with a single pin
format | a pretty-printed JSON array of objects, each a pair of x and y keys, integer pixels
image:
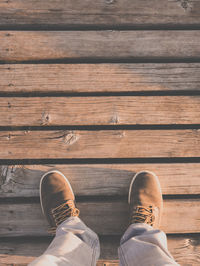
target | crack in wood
[
  {"x": 68, "y": 137},
  {"x": 9, "y": 176},
  {"x": 55, "y": 10},
  {"x": 9, "y": 135},
  {"x": 3, "y": 174},
  {"x": 6, "y": 176}
]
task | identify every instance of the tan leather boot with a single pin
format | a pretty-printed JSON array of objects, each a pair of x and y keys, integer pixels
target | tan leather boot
[
  {"x": 57, "y": 199},
  {"x": 145, "y": 199}
]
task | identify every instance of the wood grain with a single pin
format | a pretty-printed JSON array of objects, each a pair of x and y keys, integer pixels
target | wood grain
[
  {"x": 8, "y": 260},
  {"x": 81, "y": 45},
  {"x": 180, "y": 216},
  {"x": 103, "y": 13},
  {"x": 99, "y": 144},
  {"x": 132, "y": 110},
  {"x": 99, "y": 216},
  {"x": 87, "y": 180},
  {"x": 49, "y": 78},
  {"x": 185, "y": 250}
]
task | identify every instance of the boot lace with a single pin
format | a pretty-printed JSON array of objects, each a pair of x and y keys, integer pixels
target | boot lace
[
  {"x": 143, "y": 215},
  {"x": 61, "y": 212}
]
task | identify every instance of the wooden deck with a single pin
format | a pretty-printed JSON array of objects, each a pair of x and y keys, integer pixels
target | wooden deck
[{"x": 99, "y": 90}]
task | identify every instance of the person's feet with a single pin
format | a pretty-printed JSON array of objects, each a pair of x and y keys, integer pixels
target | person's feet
[
  {"x": 57, "y": 199},
  {"x": 145, "y": 199}
]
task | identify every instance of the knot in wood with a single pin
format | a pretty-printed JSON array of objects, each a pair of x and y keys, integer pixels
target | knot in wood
[
  {"x": 70, "y": 138},
  {"x": 45, "y": 118},
  {"x": 114, "y": 119},
  {"x": 185, "y": 4}
]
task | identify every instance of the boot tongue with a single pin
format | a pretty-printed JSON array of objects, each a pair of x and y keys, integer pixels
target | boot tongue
[{"x": 61, "y": 213}]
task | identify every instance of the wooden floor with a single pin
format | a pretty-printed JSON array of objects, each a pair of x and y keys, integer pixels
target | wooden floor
[{"x": 99, "y": 90}]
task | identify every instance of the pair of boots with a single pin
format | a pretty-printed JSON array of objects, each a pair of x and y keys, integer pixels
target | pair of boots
[{"x": 58, "y": 200}]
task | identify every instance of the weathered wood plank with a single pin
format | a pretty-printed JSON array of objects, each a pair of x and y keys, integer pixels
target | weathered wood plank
[
  {"x": 103, "y": 13},
  {"x": 99, "y": 77},
  {"x": 130, "y": 45},
  {"x": 99, "y": 144},
  {"x": 87, "y": 180},
  {"x": 16, "y": 260},
  {"x": 185, "y": 249},
  {"x": 8, "y": 260},
  {"x": 132, "y": 110},
  {"x": 99, "y": 216}
]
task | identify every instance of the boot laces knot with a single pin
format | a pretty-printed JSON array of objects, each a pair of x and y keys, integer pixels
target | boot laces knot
[
  {"x": 63, "y": 211},
  {"x": 143, "y": 215}
]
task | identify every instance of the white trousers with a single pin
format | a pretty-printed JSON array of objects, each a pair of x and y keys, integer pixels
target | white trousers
[{"x": 77, "y": 245}]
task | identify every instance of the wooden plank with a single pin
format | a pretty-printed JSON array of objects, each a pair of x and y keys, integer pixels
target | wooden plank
[
  {"x": 107, "y": 263},
  {"x": 87, "y": 180},
  {"x": 8, "y": 260},
  {"x": 185, "y": 250},
  {"x": 99, "y": 216},
  {"x": 102, "y": 13},
  {"x": 99, "y": 144},
  {"x": 128, "y": 45},
  {"x": 99, "y": 77},
  {"x": 131, "y": 110}
]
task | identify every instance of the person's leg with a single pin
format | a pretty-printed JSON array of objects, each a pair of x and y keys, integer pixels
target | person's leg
[
  {"x": 74, "y": 244},
  {"x": 143, "y": 243}
]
